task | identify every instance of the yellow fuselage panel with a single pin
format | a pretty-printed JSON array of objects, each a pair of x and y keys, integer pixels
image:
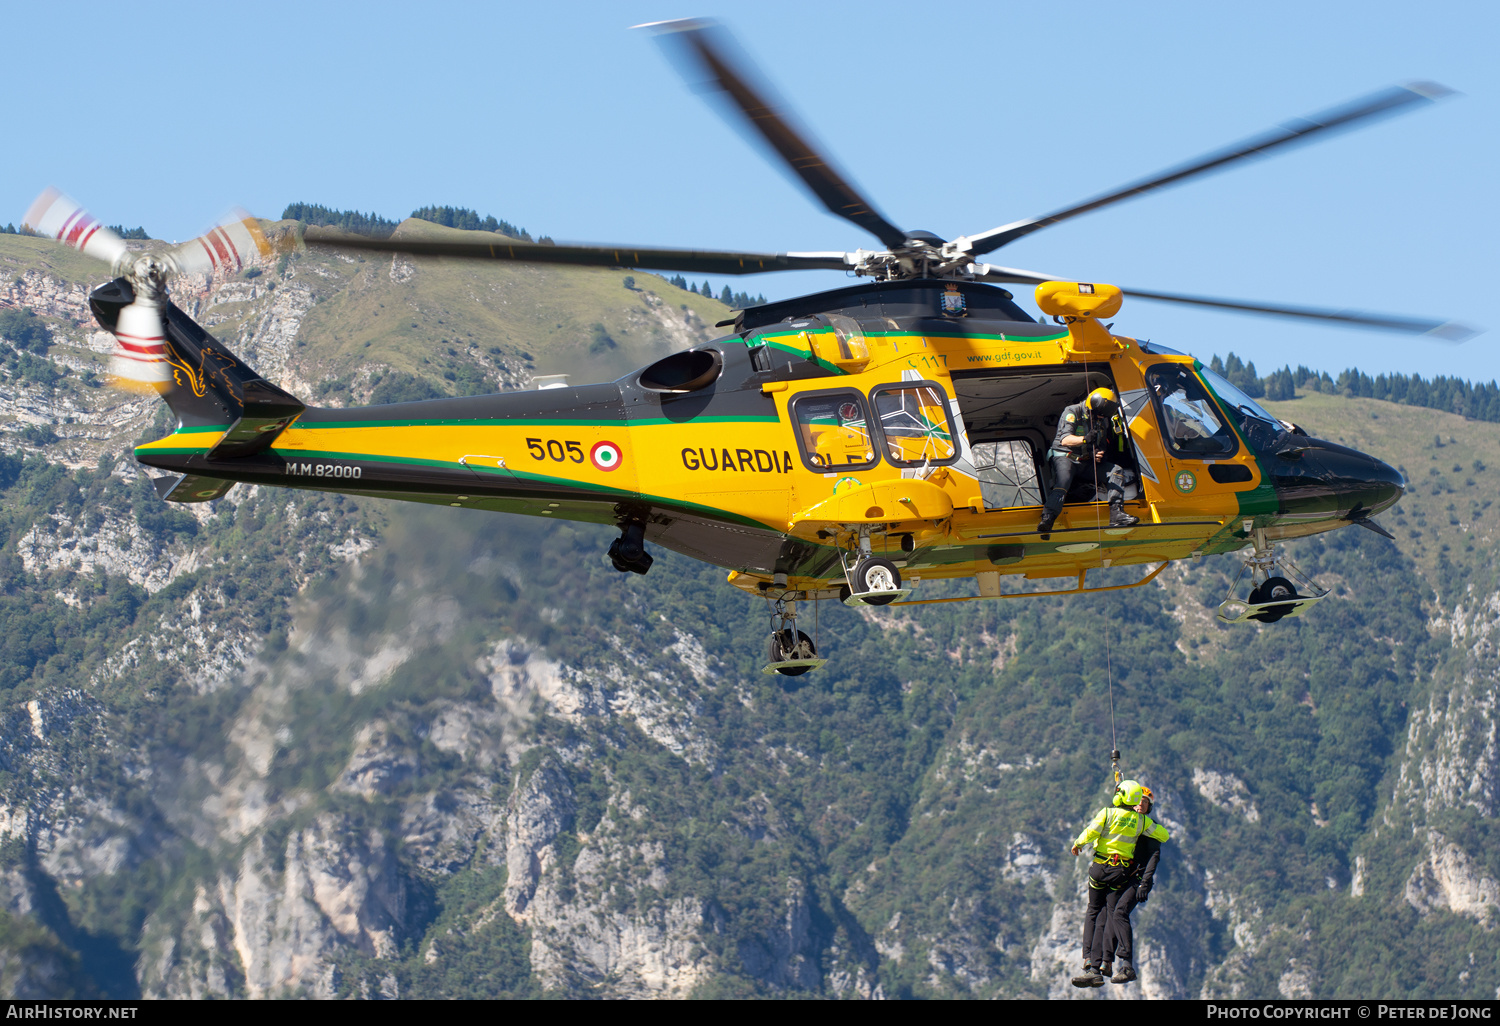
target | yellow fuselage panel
[{"x": 758, "y": 469}]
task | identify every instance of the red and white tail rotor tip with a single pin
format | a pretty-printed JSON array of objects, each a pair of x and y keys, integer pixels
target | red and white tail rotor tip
[
  {"x": 139, "y": 360},
  {"x": 141, "y": 357},
  {"x": 229, "y": 245},
  {"x": 57, "y": 216}
]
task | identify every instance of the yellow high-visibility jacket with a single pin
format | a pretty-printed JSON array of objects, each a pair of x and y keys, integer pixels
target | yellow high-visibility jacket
[{"x": 1115, "y": 830}]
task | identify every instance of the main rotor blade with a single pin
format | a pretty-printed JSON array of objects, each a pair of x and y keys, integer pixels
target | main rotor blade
[
  {"x": 1384, "y": 102},
  {"x": 707, "y": 48},
  {"x": 1446, "y": 331},
  {"x": 701, "y": 261},
  {"x": 229, "y": 245}
]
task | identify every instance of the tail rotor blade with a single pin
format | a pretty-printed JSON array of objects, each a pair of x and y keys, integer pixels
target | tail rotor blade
[
  {"x": 231, "y": 245},
  {"x": 57, "y": 216},
  {"x": 139, "y": 361}
]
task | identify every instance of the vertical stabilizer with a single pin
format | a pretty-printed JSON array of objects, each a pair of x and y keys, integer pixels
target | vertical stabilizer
[{"x": 207, "y": 385}]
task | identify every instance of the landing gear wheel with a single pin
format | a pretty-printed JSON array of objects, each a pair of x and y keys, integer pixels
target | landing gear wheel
[
  {"x": 876, "y": 574},
  {"x": 785, "y": 646},
  {"x": 1274, "y": 588}
]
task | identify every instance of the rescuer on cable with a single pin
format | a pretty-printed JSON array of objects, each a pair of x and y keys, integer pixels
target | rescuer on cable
[{"x": 1114, "y": 832}]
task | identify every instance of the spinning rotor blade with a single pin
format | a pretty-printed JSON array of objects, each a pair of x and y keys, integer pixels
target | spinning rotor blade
[
  {"x": 1387, "y": 101},
  {"x": 704, "y": 261},
  {"x": 57, "y": 216},
  {"x": 138, "y": 361},
  {"x": 705, "y": 49},
  {"x": 1446, "y": 331},
  {"x": 229, "y": 245}
]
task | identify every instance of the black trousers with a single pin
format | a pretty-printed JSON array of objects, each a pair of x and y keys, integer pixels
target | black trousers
[
  {"x": 1107, "y": 935},
  {"x": 1065, "y": 473}
]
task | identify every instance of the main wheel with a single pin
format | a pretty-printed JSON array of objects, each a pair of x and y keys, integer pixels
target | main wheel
[
  {"x": 1274, "y": 588},
  {"x": 873, "y": 573},
  {"x": 784, "y": 647}
]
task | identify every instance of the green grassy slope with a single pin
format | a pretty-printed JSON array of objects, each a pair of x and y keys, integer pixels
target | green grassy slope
[
  {"x": 1450, "y": 465},
  {"x": 402, "y": 313},
  {"x": 19, "y": 253}
]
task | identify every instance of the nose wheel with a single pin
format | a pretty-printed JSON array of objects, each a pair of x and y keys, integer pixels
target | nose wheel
[
  {"x": 789, "y": 652},
  {"x": 1279, "y": 588}
]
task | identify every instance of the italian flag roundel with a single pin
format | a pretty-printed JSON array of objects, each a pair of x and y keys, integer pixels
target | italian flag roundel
[{"x": 606, "y": 455}]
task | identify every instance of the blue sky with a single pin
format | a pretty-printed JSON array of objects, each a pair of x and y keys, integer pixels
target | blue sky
[{"x": 954, "y": 118}]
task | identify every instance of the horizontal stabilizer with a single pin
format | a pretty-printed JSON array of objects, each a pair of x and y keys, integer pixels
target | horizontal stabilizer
[
  {"x": 191, "y": 488},
  {"x": 267, "y": 412}
]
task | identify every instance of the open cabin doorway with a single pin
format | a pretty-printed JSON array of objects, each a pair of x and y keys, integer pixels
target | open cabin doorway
[{"x": 1010, "y": 417}]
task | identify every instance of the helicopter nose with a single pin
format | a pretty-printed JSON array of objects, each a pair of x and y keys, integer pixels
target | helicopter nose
[
  {"x": 1318, "y": 479},
  {"x": 1386, "y": 485}
]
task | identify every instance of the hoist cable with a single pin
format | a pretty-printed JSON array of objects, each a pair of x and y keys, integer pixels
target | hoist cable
[{"x": 1109, "y": 670}]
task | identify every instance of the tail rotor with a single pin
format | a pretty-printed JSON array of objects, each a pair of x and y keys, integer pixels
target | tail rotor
[{"x": 141, "y": 361}]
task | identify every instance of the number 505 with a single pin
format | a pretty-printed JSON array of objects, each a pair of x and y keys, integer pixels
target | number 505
[{"x": 554, "y": 450}]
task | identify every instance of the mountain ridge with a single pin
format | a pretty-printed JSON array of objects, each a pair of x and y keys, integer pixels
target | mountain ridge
[{"x": 299, "y": 744}]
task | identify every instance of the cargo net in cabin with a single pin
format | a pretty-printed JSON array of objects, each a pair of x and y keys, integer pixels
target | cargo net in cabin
[{"x": 1007, "y": 474}]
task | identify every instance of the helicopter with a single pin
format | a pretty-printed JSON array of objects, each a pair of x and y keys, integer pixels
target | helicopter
[{"x": 845, "y": 445}]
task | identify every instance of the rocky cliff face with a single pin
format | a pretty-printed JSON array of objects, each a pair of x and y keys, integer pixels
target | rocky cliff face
[{"x": 284, "y": 744}]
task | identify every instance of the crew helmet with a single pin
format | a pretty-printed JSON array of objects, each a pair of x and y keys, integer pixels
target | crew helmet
[
  {"x": 1131, "y": 793},
  {"x": 1103, "y": 401}
]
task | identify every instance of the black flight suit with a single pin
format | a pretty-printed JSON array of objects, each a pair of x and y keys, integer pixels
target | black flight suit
[
  {"x": 1119, "y": 938},
  {"x": 1106, "y": 478}
]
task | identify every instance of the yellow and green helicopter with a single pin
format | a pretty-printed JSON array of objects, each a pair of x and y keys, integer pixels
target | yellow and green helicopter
[{"x": 844, "y": 445}]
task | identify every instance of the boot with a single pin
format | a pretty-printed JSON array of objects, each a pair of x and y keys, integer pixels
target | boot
[
  {"x": 1125, "y": 975},
  {"x": 1044, "y": 527},
  {"x": 1119, "y": 518},
  {"x": 1090, "y": 977}
]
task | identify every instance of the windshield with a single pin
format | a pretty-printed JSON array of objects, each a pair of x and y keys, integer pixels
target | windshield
[
  {"x": 1188, "y": 417},
  {"x": 1234, "y": 396}
]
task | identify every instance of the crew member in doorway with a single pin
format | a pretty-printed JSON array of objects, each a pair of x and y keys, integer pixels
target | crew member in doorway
[
  {"x": 1090, "y": 443},
  {"x": 1114, "y": 832},
  {"x": 1121, "y": 903}
]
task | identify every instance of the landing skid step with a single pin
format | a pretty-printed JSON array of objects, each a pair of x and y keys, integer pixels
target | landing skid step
[
  {"x": 792, "y": 664},
  {"x": 863, "y": 598},
  {"x": 1238, "y": 611}
]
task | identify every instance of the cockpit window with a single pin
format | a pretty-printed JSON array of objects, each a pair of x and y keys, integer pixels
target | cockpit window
[
  {"x": 1234, "y": 396},
  {"x": 1192, "y": 424},
  {"x": 915, "y": 424},
  {"x": 834, "y": 431}
]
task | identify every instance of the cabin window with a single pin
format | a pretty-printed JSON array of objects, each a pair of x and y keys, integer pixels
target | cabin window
[
  {"x": 1190, "y": 422},
  {"x": 915, "y": 425},
  {"x": 1007, "y": 474},
  {"x": 833, "y": 429}
]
